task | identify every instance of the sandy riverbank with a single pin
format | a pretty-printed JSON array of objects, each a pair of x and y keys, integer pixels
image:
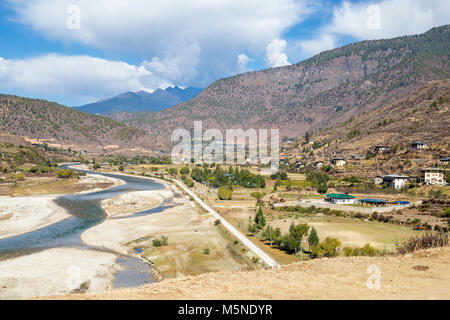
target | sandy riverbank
[
  {"x": 189, "y": 233},
  {"x": 56, "y": 271},
  {"x": 20, "y": 215}
]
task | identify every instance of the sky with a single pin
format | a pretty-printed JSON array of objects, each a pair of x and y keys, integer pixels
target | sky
[{"x": 79, "y": 51}]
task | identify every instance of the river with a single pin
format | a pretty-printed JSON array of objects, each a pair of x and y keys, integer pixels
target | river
[{"x": 86, "y": 211}]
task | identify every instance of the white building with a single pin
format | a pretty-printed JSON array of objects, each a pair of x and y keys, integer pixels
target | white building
[
  {"x": 338, "y": 162},
  {"x": 340, "y": 198},
  {"x": 395, "y": 181},
  {"x": 433, "y": 176},
  {"x": 419, "y": 145}
]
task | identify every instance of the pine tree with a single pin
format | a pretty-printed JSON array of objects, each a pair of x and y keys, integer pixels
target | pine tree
[
  {"x": 260, "y": 220},
  {"x": 313, "y": 238}
]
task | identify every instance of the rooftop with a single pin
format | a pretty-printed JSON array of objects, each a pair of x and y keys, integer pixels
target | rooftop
[
  {"x": 373, "y": 200},
  {"x": 339, "y": 196},
  {"x": 394, "y": 176},
  {"x": 432, "y": 169}
]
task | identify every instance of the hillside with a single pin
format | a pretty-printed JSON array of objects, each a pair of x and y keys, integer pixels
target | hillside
[
  {"x": 423, "y": 115},
  {"x": 41, "y": 122},
  {"x": 421, "y": 275},
  {"x": 324, "y": 90},
  {"x": 141, "y": 101}
]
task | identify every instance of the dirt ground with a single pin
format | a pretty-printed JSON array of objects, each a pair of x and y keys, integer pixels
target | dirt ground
[
  {"x": 422, "y": 275},
  {"x": 56, "y": 271}
]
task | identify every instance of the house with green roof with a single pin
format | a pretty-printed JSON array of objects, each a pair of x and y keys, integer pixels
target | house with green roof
[{"x": 340, "y": 198}]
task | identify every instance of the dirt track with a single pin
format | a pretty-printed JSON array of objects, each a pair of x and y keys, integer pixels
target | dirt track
[{"x": 423, "y": 275}]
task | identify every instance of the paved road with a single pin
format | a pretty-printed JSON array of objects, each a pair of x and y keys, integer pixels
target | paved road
[{"x": 249, "y": 244}]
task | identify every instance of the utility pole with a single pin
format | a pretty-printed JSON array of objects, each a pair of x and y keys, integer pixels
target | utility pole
[{"x": 270, "y": 235}]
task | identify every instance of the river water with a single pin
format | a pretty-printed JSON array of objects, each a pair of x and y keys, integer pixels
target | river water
[{"x": 86, "y": 211}]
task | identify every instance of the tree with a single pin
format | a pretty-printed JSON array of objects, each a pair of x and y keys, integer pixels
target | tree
[
  {"x": 327, "y": 248},
  {"x": 225, "y": 193},
  {"x": 307, "y": 136},
  {"x": 298, "y": 231},
  {"x": 121, "y": 168},
  {"x": 313, "y": 238},
  {"x": 96, "y": 166},
  {"x": 184, "y": 170},
  {"x": 269, "y": 233},
  {"x": 260, "y": 220},
  {"x": 322, "y": 188}
]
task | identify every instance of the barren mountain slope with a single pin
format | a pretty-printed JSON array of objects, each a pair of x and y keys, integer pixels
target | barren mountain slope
[
  {"x": 59, "y": 125},
  {"x": 326, "y": 89}
]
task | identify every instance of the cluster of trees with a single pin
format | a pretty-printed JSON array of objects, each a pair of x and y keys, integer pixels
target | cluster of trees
[
  {"x": 219, "y": 177},
  {"x": 319, "y": 180}
]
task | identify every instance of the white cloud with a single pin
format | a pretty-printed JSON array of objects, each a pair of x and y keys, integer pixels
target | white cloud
[
  {"x": 190, "y": 40},
  {"x": 82, "y": 77},
  {"x": 388, "y": 18},
  {"x": 275, "y": 56},
  {"x": 322, "y": 43},
  {"x": 243, "y": 59}
]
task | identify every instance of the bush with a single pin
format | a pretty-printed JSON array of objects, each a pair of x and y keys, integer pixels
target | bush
[
  {"x": 34, "y": 169},
  {"x": 184, "y": 170},
  {"x": 121, "y": 168},
  {"x": 367, "y": 250},
  {"x": 217, "y": 222},
  {"x": 163, "y": 241},
  {"x": 225, "y": 193},
  {"x": 189, "y": 183},
  {"x": 327, "y": 248},
  {"x": 206, "y": 251},
  {"x": 65, "y": 173}
]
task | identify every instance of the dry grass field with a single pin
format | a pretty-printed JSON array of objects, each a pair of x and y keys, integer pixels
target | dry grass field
[{"x": 422, "y": 275}]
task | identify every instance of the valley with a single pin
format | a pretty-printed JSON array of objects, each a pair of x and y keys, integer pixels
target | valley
[{"x": 93, "y": 196}]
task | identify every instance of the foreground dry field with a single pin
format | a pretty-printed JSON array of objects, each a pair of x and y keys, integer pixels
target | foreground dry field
[{"x": 422, "y": 275}]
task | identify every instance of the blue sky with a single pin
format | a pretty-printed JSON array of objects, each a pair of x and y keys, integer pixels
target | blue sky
[{"x": 79, "y": 51}]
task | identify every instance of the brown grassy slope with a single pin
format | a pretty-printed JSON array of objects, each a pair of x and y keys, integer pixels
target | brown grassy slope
[
  {"x": 338, "y": 278},
  {"x": 34, "y": 118},
  {"x": 326, "y": 89},
  {"x": 423, "y": 115}
]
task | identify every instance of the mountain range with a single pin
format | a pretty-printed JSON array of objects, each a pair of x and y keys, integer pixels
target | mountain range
[
  {"x": 324, "y": 90},
  {"x": 142, "y": 101}
]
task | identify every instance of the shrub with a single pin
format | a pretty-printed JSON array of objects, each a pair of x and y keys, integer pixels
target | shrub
[
  {"x": 163, "y": 241},
  {"x": 206, "y": 251},
  {"x": 225, "y": 193},
  {"x": 184, "y": 170},
  {"x": 65, "y": 173},
  {"x": 217, "y": 222},
  {"x": 327, "y": 248},
  {"x": 121, "y": 168},
  {"x": 34, "y": 169},
  {"x": 429, "y": 240},
  {"x": 189, "y": 183}
]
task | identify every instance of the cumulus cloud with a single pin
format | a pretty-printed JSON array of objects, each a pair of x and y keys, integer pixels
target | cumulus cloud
[
  {"x": 388, "y": 18},
  {"x": 81, "y": 77},
  {"x": 322, "y": 43},
  {"x": 202, "y": 38},
  {"x": 243, "y": 59},
  {"x": 275, "y": 56}
]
